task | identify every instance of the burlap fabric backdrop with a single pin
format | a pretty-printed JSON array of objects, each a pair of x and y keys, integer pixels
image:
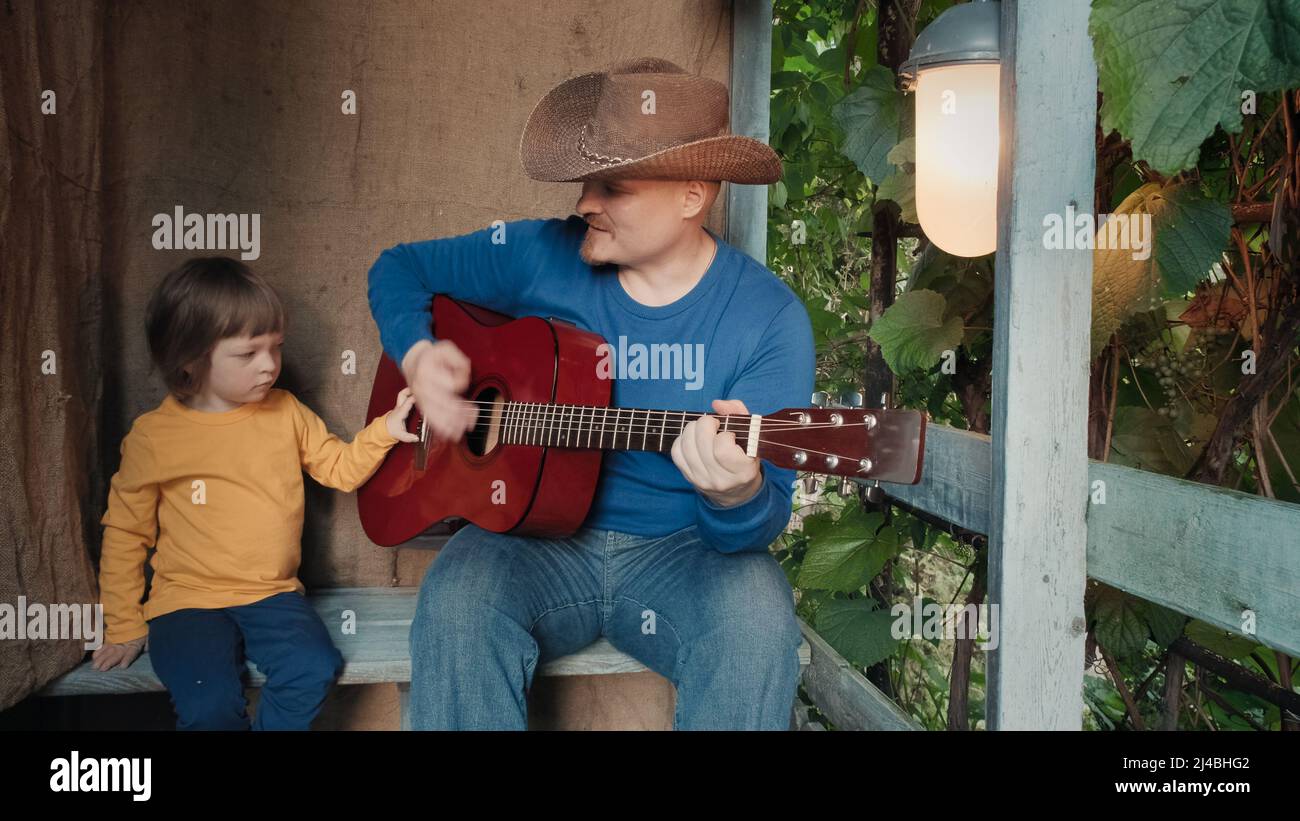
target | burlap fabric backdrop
[{"x": 235, "y": 107}]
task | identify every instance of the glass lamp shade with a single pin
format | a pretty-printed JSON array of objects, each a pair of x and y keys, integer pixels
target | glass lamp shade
[{"x": 957, "y": 156}]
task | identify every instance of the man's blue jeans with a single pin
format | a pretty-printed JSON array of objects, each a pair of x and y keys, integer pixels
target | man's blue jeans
[{"x": 492, "y": 607}]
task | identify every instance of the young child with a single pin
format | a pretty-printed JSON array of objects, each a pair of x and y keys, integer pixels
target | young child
[{"x": 216, "y": 472}]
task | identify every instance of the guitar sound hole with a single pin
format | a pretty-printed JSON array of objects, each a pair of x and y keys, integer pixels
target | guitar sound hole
[{"x": 486, "y": 433}]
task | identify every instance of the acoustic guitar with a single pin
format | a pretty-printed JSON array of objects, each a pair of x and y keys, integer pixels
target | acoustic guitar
[{"x": 531, "y": 464}]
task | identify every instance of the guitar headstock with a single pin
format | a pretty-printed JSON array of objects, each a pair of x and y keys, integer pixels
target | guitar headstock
[{"x": 841, "y": 440}]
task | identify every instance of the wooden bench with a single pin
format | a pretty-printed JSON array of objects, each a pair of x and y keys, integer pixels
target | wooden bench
[{"x": 378, "y": 652}]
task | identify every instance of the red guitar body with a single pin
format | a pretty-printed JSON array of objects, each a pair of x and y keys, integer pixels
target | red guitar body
[{"x": 527, "y": 490}]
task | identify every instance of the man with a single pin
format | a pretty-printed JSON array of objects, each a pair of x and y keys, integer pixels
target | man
[{"x": 672, "y": 564}]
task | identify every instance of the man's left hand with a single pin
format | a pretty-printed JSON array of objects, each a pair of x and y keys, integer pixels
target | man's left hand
[{"x": 713, "y": 462}]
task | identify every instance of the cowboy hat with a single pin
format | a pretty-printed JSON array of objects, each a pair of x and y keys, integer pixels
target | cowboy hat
[{"x": 604, "y": 125}]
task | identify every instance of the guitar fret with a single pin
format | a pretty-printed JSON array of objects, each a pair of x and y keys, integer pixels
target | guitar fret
[{"x": 549, "y": 425}]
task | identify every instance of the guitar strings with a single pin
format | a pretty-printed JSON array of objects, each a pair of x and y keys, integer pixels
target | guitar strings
[
  {"x": 530, "y": 425},
  {"x": 520, "y": 407}
]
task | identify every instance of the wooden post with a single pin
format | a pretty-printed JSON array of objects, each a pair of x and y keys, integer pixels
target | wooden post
[
  {"x": 751, "y": 92},
  {"x": 1038, "y": 542}
]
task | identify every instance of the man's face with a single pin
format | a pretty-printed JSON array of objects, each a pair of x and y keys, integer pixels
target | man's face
[
  {"x": 630, "y": 221},
  {"x": 244, "y": 368}
]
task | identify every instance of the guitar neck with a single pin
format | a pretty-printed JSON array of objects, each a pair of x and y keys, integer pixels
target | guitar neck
[{"x": 602, "y": 428}]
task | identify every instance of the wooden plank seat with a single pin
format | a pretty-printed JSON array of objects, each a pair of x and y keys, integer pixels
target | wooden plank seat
[{"x": 374, "y": 642}]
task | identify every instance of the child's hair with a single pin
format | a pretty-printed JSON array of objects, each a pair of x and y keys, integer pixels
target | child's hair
[{"x": 205, "y": 300}]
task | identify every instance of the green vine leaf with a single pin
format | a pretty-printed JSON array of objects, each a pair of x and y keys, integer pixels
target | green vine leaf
[
  {"x": 1123, "y": 623},
  {"x": 912, "y": 333},
  {"x": 1190, "y": 239},
  {"x": 857, "y": 630},
  {"x": 848, "y": 554},
  {"x": 1145, "y": 440},
  {"x": 1170, "y": 72},
  {"x": 1121, "y": 628},
  {"x": 1190, "y": 233},
  {"x": 869, "y": 118},
  {"x": 1226, "y": 643},
  {"x": 1166, "y": 625},
  {"x": 900, "y": 188}
]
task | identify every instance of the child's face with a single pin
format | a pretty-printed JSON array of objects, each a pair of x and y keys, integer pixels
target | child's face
[{"x": 245, "y": 367}]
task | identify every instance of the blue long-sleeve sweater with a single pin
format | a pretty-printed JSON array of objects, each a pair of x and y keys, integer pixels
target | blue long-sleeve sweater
[{"x": 751, "y": 329}]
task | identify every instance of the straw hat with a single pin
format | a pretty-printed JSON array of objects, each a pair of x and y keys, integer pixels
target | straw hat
[{"x": 601, "y": 126}]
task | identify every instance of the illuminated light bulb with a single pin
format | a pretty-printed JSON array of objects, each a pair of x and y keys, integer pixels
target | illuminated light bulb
[
  {"x": 954, "y": 70},
  {"x": 957, "y": 157}
]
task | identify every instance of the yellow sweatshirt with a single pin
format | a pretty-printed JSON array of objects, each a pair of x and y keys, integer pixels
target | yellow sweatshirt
[{"x": 222, "y": 494}]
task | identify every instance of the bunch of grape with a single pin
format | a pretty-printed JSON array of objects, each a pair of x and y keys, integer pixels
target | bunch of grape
[{"x": 1169, "y": 367}]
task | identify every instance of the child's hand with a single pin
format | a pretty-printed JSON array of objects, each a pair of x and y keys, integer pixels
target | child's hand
[
  {"x": 396, "y": 418},
  {"x": 117, "y": 655}
]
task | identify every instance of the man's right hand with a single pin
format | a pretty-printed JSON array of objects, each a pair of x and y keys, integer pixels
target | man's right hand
[{"x": 438, "y": 373}]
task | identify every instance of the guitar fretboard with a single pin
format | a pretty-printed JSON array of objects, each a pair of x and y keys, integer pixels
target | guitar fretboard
[{"x": 588, "y": 426}]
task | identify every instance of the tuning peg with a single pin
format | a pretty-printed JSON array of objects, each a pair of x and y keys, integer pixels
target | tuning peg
[
  {"x": 820, "y": 399},
  {"x": 853, "y": 399}
]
